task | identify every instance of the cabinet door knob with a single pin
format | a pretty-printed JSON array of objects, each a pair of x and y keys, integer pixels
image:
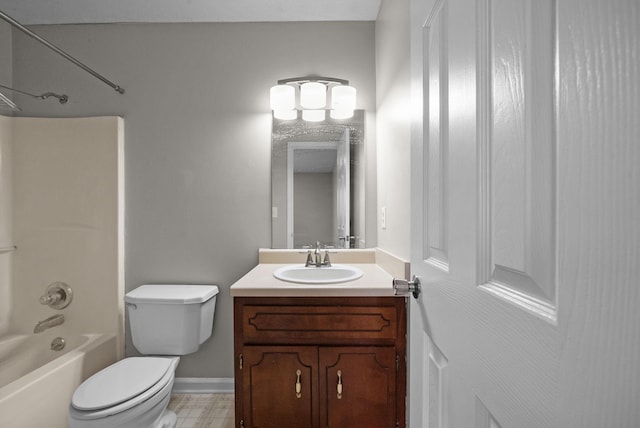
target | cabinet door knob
[
  {"x": 298, "y": 384},
  {"x": 339, "y": 384}
]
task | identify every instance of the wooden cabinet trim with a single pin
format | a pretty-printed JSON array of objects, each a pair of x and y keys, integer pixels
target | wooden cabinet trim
[{"x": 318, "y": 322}]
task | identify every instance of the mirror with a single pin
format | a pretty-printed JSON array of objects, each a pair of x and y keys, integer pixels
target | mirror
[{"x": 318, "y": 183}]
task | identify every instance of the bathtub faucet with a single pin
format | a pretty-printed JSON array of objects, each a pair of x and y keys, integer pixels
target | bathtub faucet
[{"x": 52, "y": 321}]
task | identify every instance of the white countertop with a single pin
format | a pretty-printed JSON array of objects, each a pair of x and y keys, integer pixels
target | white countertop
[{"x": 260, "y": 282}]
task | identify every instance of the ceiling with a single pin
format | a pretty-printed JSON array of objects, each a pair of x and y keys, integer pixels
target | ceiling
[{"x": 30, "y": 12}]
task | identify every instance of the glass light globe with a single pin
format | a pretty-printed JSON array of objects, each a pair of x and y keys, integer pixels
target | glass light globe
[
  {"x": 285, "y": 114},
  {"x": 343, "y": 98},
  {"x": 313, "y": 95},
  {"x": 341, "y": 114},
  {"x": 283, "y": 97},
  {"x": 313, "y": 115}
]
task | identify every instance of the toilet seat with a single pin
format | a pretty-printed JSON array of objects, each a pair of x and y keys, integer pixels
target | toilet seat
[{"x": 122, "y": 386}]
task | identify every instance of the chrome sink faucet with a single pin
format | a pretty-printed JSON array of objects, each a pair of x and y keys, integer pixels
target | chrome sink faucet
[
  {"x": 45, "y": 324},
  {"x": 315, "y": 258}
]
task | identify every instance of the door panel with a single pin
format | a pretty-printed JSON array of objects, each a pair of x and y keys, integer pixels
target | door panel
[
  {"x": 499, "y": 218},
  {"x": 358, "y": 387},
  {"x": 270, "y": 377},
  {"x": 436, "y": 147},
  {"x": 516, "y": 152},
  {"x": 524, "y": 195}
]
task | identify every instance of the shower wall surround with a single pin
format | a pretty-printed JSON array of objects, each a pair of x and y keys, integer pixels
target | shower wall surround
[
  {"x": 6, "y": 237},
  {"x": 65, "y": 189},
  {"x": 6, "y": 223}
]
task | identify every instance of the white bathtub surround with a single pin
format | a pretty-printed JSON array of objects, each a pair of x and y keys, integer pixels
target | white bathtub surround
[
  {"x": 6, "y": 223},
  {"x": 40, "y": 397},
  {"x": 61, "y": 219},
  {"x": 68, "y": 221}
]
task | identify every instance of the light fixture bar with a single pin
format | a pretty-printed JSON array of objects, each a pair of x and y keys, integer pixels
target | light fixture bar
[
  {"x": 310, "y": 95},
  {"x": 307, "y": 79}
]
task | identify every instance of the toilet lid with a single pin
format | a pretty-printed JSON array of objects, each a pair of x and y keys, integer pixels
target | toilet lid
[
  {"x": 123, "y": 381},
  {"x": 171, "y": 294}
]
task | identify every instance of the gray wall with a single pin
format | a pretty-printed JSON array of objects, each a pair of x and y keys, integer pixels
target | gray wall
[
  {"x": 393, "y": 119},
  {"x": 197, "y": 136}
]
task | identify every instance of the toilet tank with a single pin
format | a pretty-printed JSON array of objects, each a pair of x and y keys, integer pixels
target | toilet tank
[{"x": 170, "y": 319}]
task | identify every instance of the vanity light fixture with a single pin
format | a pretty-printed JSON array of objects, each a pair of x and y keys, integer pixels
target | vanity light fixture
[{"x": 315, "y": 96}]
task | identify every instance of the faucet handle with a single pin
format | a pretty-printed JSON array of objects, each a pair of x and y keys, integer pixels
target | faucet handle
[
  {"x": 50, "y": 298},
  {"x": 327, "y": 261},
  {"x": 309, "y": 261},
  {"x": 57, "y": 296}
]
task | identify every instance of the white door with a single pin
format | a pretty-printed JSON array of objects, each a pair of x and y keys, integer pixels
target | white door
[
  {"x": 525, "y": 213},
  {"x": 343, "y": 191}
]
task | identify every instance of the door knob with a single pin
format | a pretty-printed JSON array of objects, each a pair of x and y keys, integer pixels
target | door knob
[{"x": 403, "y": 286}]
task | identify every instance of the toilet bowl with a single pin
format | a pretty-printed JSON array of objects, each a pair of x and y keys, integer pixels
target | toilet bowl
[{"x": 134, "y": 392}]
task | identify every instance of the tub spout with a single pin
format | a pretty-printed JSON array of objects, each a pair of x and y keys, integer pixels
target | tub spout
[{"x": 52, "y": 321}]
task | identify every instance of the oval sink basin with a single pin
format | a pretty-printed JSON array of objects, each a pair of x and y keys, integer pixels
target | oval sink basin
[{"x": 318, "y": 275}]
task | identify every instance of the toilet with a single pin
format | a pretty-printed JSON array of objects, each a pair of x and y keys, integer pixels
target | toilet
[{"x": 166, "y": 320}]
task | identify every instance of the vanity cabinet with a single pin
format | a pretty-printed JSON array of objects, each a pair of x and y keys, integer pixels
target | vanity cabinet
[{"x": 320, "y": 362}]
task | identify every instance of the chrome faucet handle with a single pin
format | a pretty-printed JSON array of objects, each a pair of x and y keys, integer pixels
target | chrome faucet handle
[
  {"x": 327, "y": 261},
  {"x": 58, "y": 296},
  {"x": 51, "y": 298},
  {"x": 309, "y": 261}
]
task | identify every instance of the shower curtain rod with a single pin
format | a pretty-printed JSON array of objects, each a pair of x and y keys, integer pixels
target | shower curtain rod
[{"x": 59, "y": 51}]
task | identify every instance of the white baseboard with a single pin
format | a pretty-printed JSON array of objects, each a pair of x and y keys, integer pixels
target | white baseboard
[{"x": 199, "y": 385}]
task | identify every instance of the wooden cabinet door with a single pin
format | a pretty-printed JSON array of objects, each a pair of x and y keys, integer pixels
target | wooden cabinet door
[
  {"x": 357, "y": 387},
  {"x": 279, "y": 386}
]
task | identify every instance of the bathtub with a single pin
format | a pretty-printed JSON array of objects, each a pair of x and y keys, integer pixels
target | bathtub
[{"x": 36, "y": 383}]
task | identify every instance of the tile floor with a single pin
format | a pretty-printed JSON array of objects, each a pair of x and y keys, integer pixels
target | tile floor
[{"x": 203, "y": 410}]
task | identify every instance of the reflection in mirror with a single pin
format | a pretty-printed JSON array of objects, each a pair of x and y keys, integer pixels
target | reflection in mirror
[{"x": 317, "y": 183}]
